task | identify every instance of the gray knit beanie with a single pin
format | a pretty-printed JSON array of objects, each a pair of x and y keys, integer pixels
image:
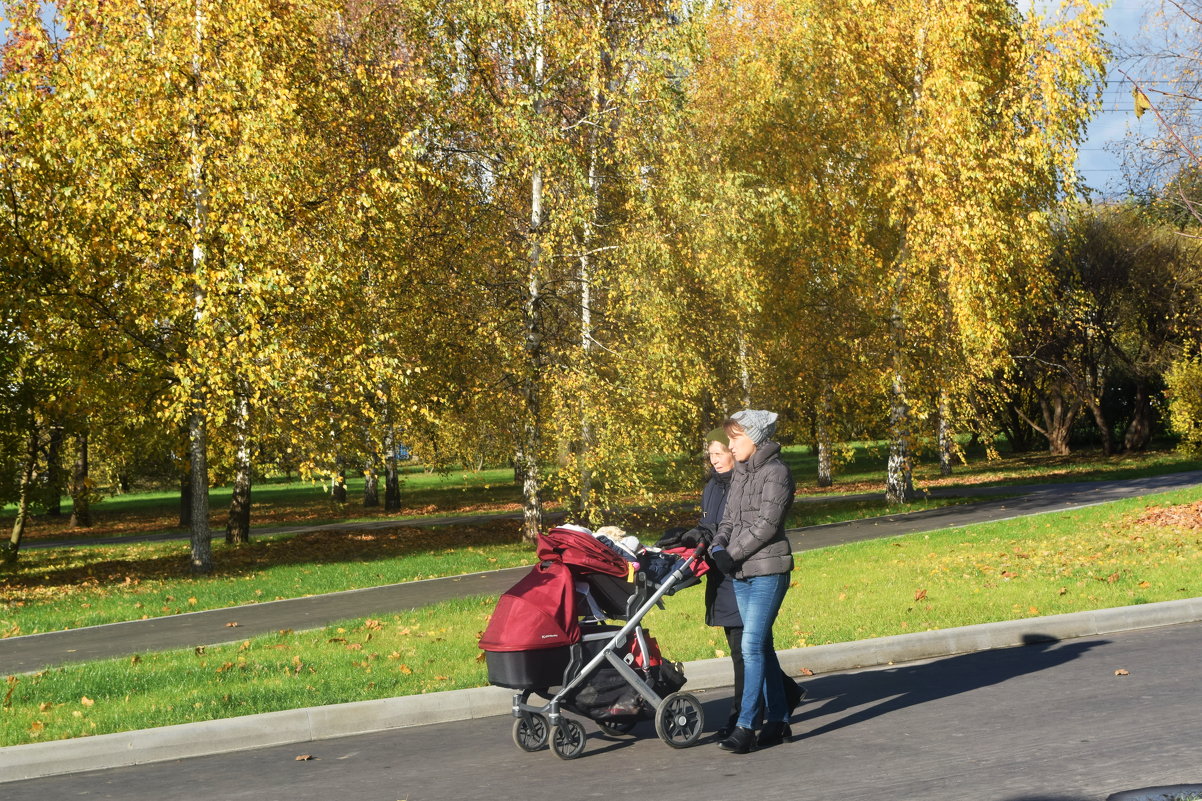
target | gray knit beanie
[{"x": 759, "y": 424}]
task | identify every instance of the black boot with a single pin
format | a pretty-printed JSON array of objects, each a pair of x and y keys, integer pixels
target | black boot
[
  {"x": 794, "y": 695},
  {"x": 740, "y": 741},
  {"x": 774, "y": 732}
]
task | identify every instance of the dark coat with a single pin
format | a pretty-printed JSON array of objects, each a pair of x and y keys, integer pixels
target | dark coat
[
  {"x": 720, "y": 606},
  {"x": 753, "y": 523}
]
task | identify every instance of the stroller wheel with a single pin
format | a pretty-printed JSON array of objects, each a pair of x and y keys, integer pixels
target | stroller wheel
[
  {"x": 616, "y": 728},
  {"x": 679, "y": 720},
  {"x": 567, "y": 739},
  {"x": 530, "y": 735}
]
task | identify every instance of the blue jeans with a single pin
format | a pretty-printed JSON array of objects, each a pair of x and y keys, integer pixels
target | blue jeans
[{"x": 759, "y": 599}]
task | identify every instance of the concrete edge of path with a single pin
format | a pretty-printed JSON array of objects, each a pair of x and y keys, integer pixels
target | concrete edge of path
[{"x": 39, "y": 760}]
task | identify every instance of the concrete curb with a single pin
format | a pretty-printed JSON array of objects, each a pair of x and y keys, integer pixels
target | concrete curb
[{"x": 339, "y": 720}]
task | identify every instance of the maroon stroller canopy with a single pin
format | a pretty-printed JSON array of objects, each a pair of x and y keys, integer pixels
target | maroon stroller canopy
[
  {"x": 580, "y": 550},
  {"x": 537, "y": 612}
]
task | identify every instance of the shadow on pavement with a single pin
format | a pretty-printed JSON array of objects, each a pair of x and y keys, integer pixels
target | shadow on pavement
[
  {"x": 1045, "y": 798},
  {"x": 885, "y": 691},
  {"x": 715, "y": 711}
]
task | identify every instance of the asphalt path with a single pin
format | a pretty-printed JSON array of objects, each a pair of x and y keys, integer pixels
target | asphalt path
[
  {"x": 1046, "y": 722},
  {"x": 34, "y": 652}
]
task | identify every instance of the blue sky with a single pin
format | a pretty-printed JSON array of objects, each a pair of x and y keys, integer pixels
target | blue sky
[{"x": 1100, "y": 168}]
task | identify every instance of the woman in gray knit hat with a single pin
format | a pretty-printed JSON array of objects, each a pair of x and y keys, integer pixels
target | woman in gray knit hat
[{"x": 752, "y": 550}]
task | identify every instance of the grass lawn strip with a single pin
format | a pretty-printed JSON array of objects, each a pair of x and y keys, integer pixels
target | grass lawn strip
[
  {"x": 1127, "y": 552},
  {"x": 282, "y": 502},
  {"x": 66, "y": 588}
]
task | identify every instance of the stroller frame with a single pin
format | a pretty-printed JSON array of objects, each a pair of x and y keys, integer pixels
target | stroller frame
[{"x": 679, "y": 718}]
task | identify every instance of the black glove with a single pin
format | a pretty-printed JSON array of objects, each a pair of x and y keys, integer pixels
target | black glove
[
  {"x": 722, "y": 561},
  {"x": 694, "y": 536},
  {"x": 671, "y": 538}
]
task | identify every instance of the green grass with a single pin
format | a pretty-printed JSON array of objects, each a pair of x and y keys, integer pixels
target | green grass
[
  {"x": 868, "y": 463},
  {"x": 835, "y": 510},
  {"x": 62, "y": 588},
  {"x": 1086, "y": 559},
  {"x": 279, "y": 502}
]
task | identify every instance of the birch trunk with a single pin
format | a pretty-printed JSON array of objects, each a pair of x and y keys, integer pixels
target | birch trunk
[
  {"x": 13, "y": 547},
  {"x": 54, "y": 473},
  {"x": 945, "y": 437},
  {"x": 237, "y": 528},
  {"x": 392, "y": 480},
  {"x": 371, "y": 484},
  {"x": 899, "y": 486},
  {"x": 744, "y": 370},
  {"x": 201, "y": 537},
  {"x": 81, "y": 501},
  {"x": 587, "y": 240},
  {"x": 528, "y": 449},
  {"x": 823, "y": 436}
]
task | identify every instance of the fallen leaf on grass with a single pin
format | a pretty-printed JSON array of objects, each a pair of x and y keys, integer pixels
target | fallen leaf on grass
[
  {"x": 86, "y": 701},
  {"x": 920, "y": 595},
  {"x": 405, "y": 669}
]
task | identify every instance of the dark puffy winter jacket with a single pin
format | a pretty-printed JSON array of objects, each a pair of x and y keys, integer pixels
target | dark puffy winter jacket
[
  {"x": 721, "y": 609},
  {"x": 753, "y": 523}
]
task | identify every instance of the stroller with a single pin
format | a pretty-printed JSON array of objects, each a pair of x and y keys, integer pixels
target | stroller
[{"x": 548, "y": 637}]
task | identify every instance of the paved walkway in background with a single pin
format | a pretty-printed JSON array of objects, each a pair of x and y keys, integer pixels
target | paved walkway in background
[
  {"x": 1045, "y": 722},
  {"x": 33, "y": 652}
]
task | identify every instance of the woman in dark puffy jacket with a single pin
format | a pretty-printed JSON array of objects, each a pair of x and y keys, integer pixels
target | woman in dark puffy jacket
[
  {"x": 721, "y": 609},
  {"x": 751, "y": 549}
]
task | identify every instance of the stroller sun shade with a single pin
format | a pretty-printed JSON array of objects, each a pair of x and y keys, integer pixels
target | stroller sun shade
[
  {"x": 538, "y": 612},
  {"x": 580, "y": 550}
]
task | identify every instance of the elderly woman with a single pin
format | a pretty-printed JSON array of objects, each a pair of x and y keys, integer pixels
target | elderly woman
[{"x": 751, "y": 549}]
